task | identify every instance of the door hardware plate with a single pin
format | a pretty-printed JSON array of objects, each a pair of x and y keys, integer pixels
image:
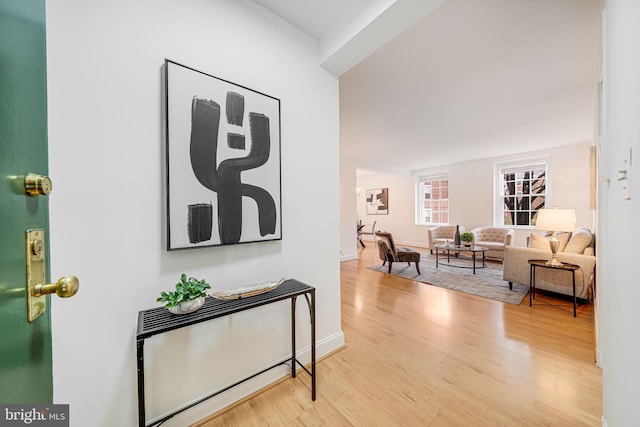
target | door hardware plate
[{"x": 35, "y": 250}]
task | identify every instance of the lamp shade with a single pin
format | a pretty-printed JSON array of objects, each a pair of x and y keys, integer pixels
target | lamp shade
[{"x": 556, "y": 219}]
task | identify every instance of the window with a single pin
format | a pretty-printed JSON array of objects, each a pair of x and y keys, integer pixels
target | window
[
  {"x": 522, "y": 189},
  {"x": 432, "y": 201}
]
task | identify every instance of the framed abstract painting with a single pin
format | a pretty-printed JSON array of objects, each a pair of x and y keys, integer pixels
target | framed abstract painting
[
  {"x": 222, "y": 161},
  {"x": 377, "y": 201}
]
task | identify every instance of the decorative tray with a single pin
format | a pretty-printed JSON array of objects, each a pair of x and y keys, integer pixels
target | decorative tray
[{"x": 247, "y": 291}]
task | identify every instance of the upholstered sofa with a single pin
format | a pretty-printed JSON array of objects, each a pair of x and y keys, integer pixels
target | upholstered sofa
[
  {"x": 496, "y": 239},
  {"x": 440, "y": 234},
  {"x": 575, "y": 248}
]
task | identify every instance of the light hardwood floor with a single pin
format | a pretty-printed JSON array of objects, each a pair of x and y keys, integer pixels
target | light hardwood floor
[{"x": 419, "y": 355}]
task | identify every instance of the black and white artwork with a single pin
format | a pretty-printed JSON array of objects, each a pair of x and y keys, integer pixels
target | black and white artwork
[
  {"x": 377, "y": 201},
  {"x": 223, "y": 161}
]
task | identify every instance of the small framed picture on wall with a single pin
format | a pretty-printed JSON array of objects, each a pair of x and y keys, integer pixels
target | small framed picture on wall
[{"x": 377, "y": 201}]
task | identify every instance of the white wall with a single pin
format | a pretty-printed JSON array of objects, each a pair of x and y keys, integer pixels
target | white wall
[
  {"x": 348, "y": 217},
  {"x": 618, "y": 290},
  {"x": 401, "y": 219},
  {"x": 106, "y": 162},
  {"x": 471, "y": 192}
]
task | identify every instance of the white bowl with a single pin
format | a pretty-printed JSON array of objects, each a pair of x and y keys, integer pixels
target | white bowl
[{"x": 186, "y": 307}]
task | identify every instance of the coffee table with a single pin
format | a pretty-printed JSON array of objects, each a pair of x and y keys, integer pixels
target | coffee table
[{"x": 456, "y": 249}]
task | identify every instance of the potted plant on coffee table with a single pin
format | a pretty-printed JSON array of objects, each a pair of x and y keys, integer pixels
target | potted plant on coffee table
[
  {"x": 188, "y": 296},
  {"x": 466, "y": 239}
]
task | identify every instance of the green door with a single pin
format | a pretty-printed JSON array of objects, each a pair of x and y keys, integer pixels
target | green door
[{"x": 25, "y": 348}]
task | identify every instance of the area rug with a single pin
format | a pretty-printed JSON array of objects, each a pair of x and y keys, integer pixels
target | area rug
[{"x": 487, "y": 282}]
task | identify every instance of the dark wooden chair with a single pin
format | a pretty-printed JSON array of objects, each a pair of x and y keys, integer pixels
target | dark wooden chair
[
  {"x": 362, "y": 231},
  {"x": 388, "y": 251}
]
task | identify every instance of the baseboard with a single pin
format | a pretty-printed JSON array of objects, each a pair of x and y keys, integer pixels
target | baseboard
[
  {"x": 202, "y": 412},
  {"x": 401, "y": 242},
  {"x": 351, "y": 257},
  {"x": 414, "y": 244}
]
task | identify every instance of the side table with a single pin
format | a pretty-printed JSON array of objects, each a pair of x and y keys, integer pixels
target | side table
[
  {"x": 543, "y": 263},
  {"x": 159, "y": 320}
]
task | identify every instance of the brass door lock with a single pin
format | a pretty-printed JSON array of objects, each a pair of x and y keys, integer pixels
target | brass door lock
[
  {"x": 37, "y": 185},
  {"x": 37, "y": 288}
]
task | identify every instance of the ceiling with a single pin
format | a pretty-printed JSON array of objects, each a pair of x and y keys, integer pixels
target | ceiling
[
  {"x": 315, "y": 18},
  {"x": 458, "y": 80}
]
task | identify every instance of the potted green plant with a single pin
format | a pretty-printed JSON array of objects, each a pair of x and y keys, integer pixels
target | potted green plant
[
  {"x": 466, "y": 238},
  {"x": 188, "y": 296}
]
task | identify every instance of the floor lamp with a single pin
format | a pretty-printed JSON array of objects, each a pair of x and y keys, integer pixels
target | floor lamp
[{"x": 555, "y": 220}]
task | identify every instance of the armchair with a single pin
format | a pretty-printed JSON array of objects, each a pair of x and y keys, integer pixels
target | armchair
[
  {"x": 388, "y": 251},
  {"x": 440, "y": 234},
  {"x": 494, "y": 238}
]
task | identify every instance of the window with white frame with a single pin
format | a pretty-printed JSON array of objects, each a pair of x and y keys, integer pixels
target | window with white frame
[
  {"x": 522, "y": 188},
  {"x": 432, "y": 199}
]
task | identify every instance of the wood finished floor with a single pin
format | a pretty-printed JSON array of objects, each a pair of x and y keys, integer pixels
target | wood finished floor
[{"x": 419, "y": 355}]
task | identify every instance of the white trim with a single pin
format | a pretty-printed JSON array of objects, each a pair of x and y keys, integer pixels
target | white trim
[{"x": 414, "y": 244}]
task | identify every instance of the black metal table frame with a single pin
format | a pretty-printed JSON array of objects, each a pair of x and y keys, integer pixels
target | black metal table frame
[
  {"x": 457, "y": 250},
  {"x": 543, "y": 263},
  {"x": 159, "y": 320}
]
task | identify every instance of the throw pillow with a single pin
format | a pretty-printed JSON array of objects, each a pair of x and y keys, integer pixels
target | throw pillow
[
  {"x": 542, "y": 242},
  {"x": 579, "y": 242},
  {"x": 537, "y": 241},
  {"x": 564, "y": 239}
]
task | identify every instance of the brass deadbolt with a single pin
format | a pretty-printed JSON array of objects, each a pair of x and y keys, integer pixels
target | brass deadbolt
[{"x": 37, "y": 185}]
